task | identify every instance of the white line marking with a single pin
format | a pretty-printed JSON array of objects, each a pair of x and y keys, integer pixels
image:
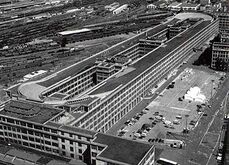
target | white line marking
[
  {"x": 181, "y": 109},
  {"x": 213, "y": 149},
  {"x": 209, "y": 125}
]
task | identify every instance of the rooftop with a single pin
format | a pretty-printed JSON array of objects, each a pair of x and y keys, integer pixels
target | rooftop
[
  {"x": 29, "y": 111},
  {"x": 15, "y": 155},
  {"x": 189, "y": 5},
  {"x": 74, "y": 31},
  {"x": 122, "y": 150},
  {"x": 75, "y": 69},
  {"x": 77, "y": 130},
  {"x": 72, "y": 129},
  {"x": 153, "y": 57}
]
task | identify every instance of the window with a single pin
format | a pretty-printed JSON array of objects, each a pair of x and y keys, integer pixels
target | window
[
  {"x": 79, "y": 144},
  {"x": 25, "y": 143},
  {"x": 54, "y": 137},
  {"x": 47, "y": 142},
  {"x": 47, "y": 136},
  {"x": 53, "y": 131},
  {"x": 72, "y": 155},
  {"x": 80, "y": 151},
  {"x": 70, "y": 135},
  {"x": 71, "y": 149},
  {"x": 63, "y": 140},
  {"x": 71, "y": 142},
  {"x": 24, "y": 137},
  {"x": 55, "y": 144},
  {"x": 37, "y": 127},
  {"x": 63, "y": 152},
  {"x": 38, "y": 146},
  {"x": 46, "y": 129},
  {"x": 37, "y": 140},
  {"x": 30, "y": 132},
  {"x": 37, "y": 133},
  {"x": 31, "y": 139},
  {"x": 29, "y": 125},
  {"x": 63, "y": 147},
  {"x": 32, "y": 145},
  {"x": 23, "y": 123}
]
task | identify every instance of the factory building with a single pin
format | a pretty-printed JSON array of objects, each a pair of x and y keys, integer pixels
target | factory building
[
  {"x": 33, "y": 126},
  {"x": 92, "y": 95},
  {"x": 123, "y": 93}
]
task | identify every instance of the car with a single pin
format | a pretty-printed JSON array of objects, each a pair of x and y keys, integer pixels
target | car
[
  {"x": 143, "y": 134},
  {"x": 151, "y": 118},
  {"x": 154, "y": 123},
  {"x": 127, "y": 122},
  {"x": 130, "y": 124},
  {"x": 158, "y": 117},
  {"x": 177, "y": 122},
  {"x": 205, "y": 114},
  {"x": 148, "y": 129},
  {"x": 156, "y": 113},
  {"x": 179, "y": 117},
  {"x": 141, "y": 113},
  {"x": 147, "y": 109},
  {"x": 219, "y": 157},
  {"x": 192, "y": 122}
]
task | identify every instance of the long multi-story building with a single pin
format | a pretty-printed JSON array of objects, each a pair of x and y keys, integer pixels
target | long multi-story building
[
  {"x": 97, "y": 92},
  {"x": 33, "y": 125}
]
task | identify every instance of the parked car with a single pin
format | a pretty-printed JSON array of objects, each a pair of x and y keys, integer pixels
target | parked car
[
  {"x": 156, "y": 113},
  {"x": 179, "y": 117},
  {"x": 177, "y": 122}
]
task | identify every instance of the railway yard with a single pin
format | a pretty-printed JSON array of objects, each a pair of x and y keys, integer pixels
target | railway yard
[{"x": 48, "y": 25}]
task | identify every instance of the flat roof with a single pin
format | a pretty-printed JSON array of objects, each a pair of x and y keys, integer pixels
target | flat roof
[
  {"x": 73, "y": 70},
  {"x": 78, "y": 130},
  {"x": 150, "y": 59},
  {"x": 74, "y": 31},
  {"x": 29, "y": 111},
  {"x": 189, "y": 5},
  {"x": 22, "y": 155},
  {"x": 122, "y": 150}
]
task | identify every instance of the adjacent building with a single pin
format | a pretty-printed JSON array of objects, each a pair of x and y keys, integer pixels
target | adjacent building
[
  {"x": 220, "y": 56},
  {"x": 34, "y": 126}
]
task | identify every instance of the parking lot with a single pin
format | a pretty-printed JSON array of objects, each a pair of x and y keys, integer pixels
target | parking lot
[{"x": 170, "y": 112}]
